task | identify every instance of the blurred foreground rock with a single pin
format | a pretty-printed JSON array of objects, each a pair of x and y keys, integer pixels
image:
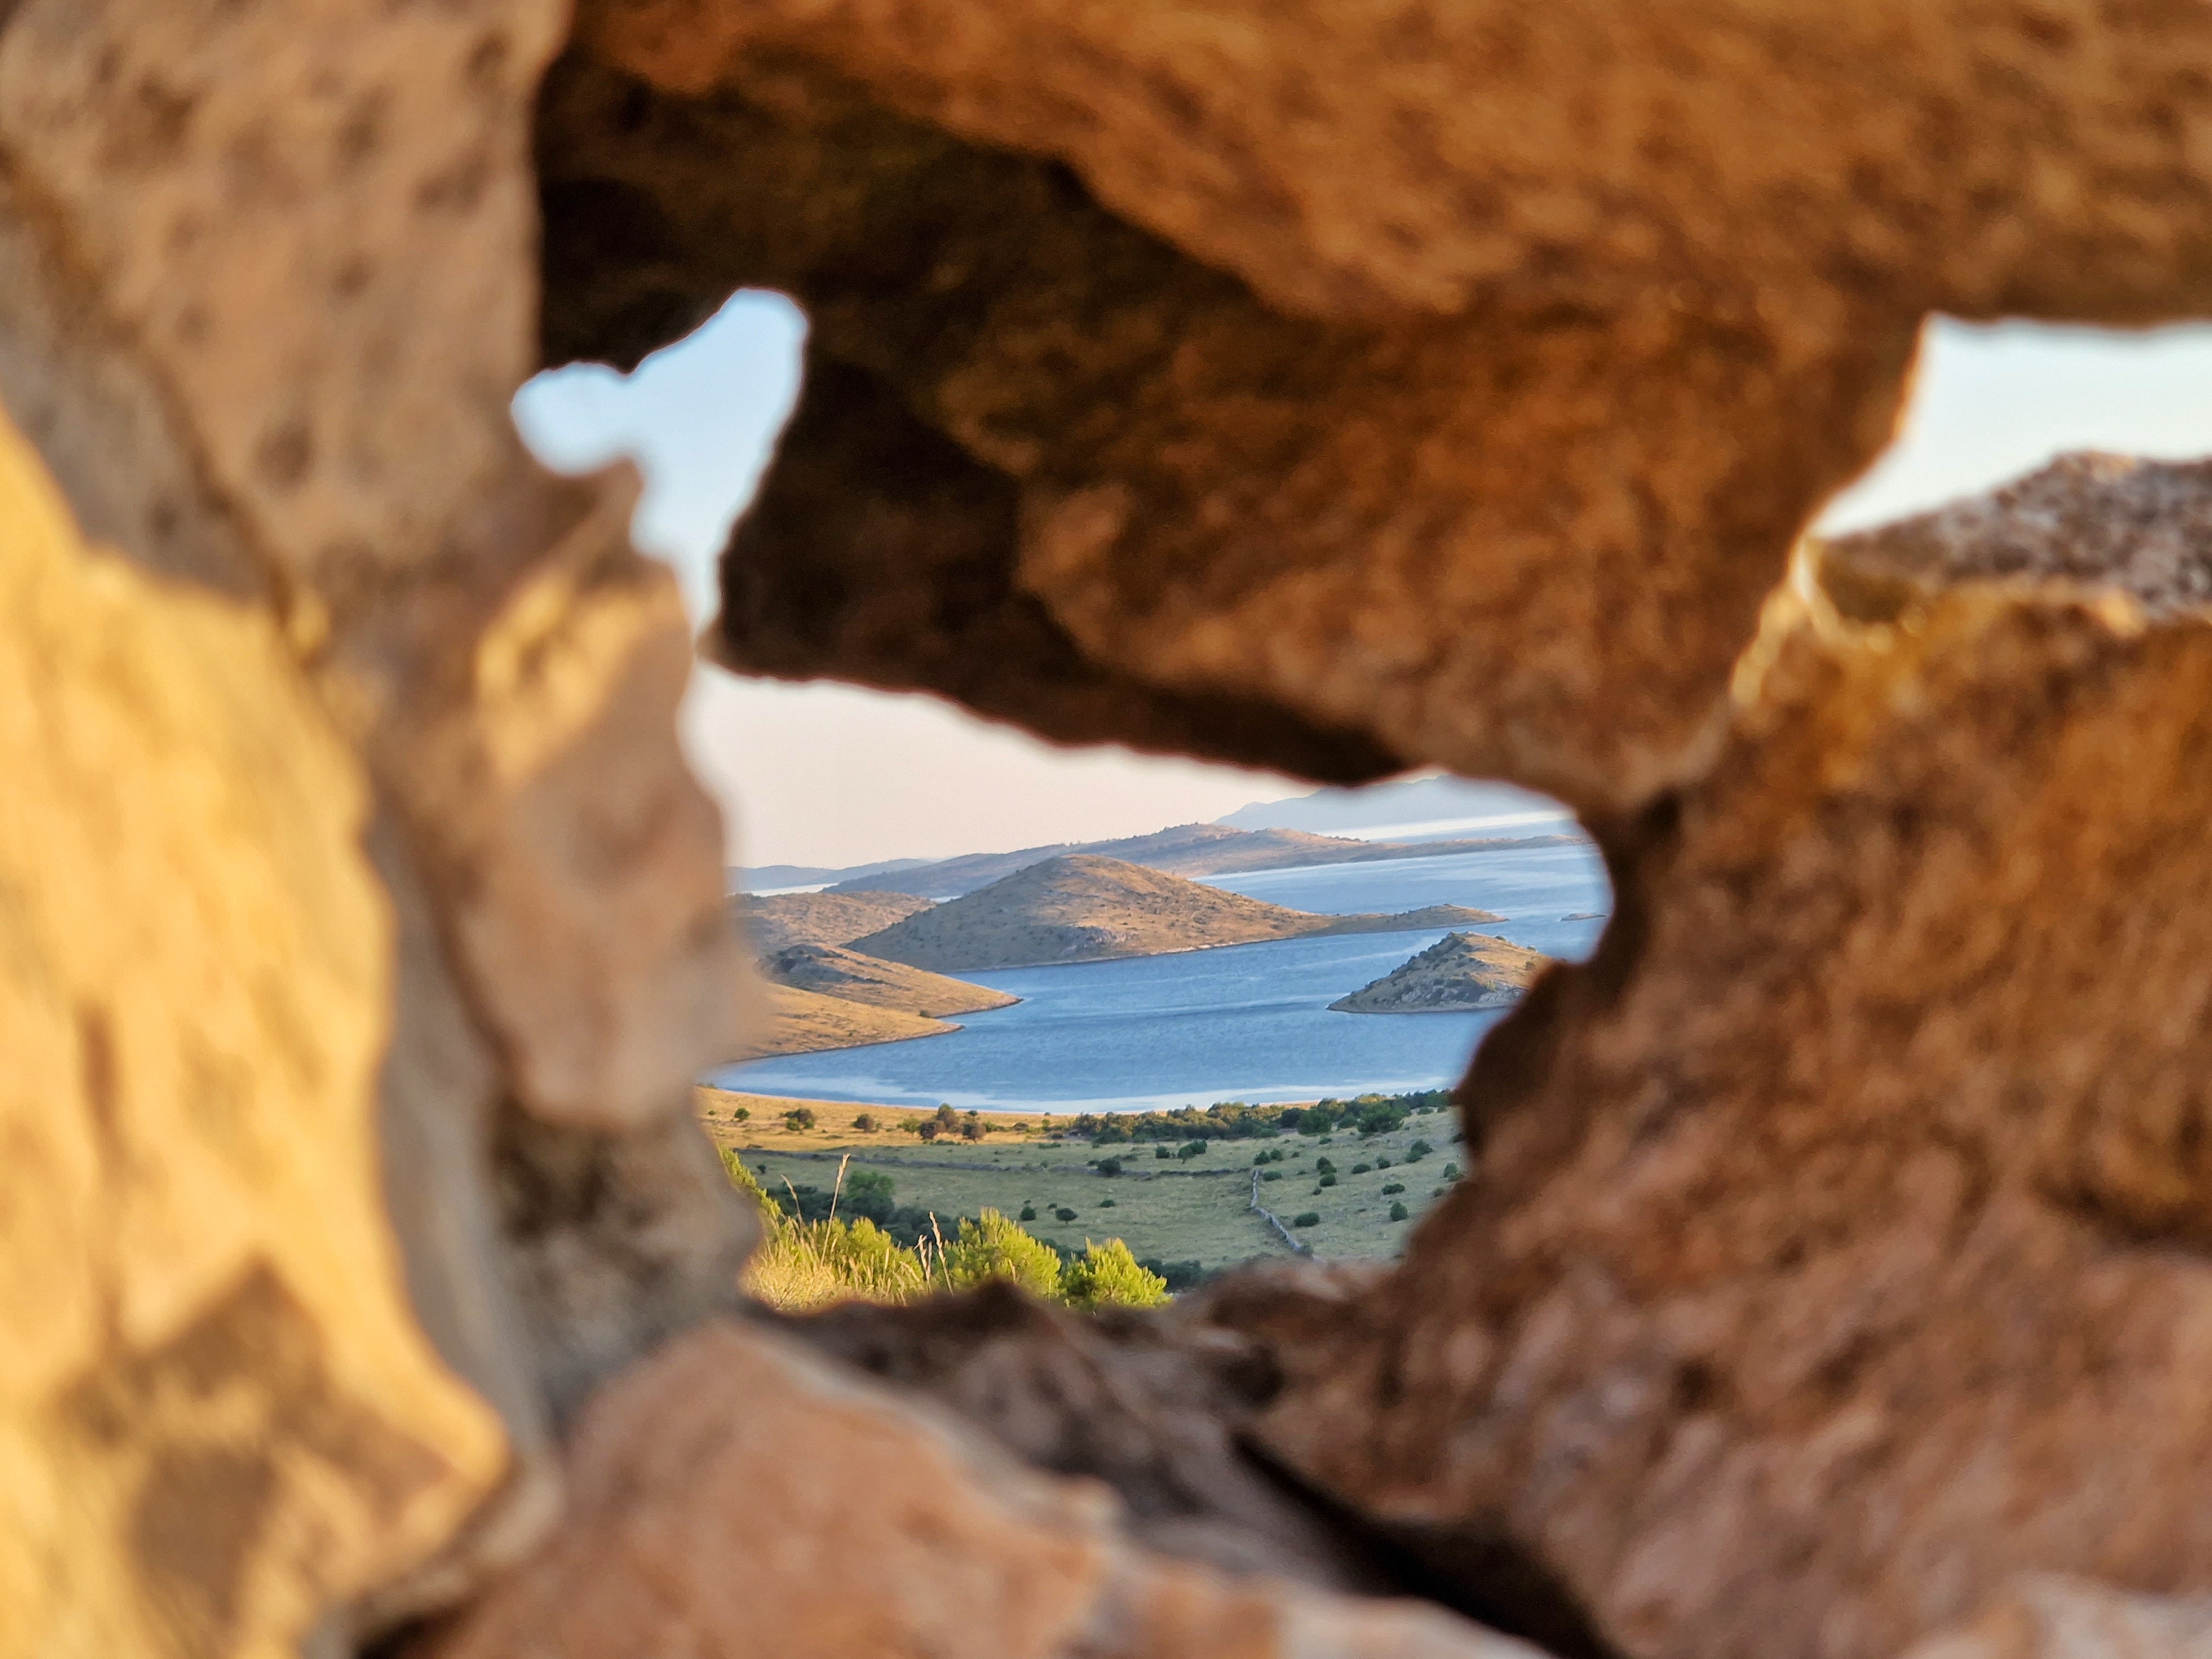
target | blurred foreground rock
[
  {"x": 217, "y": 1412},
  {"x": 1330, "y": 388},
  {"x": 736, "y": 1495},
  {"x": 1836, "y": 1251}
]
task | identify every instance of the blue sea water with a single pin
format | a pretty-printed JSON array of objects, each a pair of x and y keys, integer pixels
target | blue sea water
[{"x": 1247, "y": 1022}]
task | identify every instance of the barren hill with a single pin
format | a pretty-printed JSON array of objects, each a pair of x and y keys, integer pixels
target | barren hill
[
  {"x": 1086, "y": 908},
  {"x": 1459, "y": 972},
  {"x": 803, "y": 1022},
  {"x": 833, "y": 971},
  {"x": 787, "y": 919}
]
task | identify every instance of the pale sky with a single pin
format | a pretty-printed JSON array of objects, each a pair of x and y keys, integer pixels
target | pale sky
[{"x": 831, "y": 775}]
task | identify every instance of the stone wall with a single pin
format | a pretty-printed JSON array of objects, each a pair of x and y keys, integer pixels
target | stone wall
[{"x": 1332, "y": 388}]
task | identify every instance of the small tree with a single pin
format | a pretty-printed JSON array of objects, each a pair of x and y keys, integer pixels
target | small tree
[
  {"x": 1310, "y": 1218},
  {"x": 1108, "y": 1276},
  {"x": 1162, "y": 1152},
  {"x": 992, "y": 1247},
  {"x": 1398, "y": 1211},
  {"x": 1417, "y": 1151},
  {"x": 1029, "y": 1212},
  {"x": 1110, "y": 1166},
  {"x": 742, "y": 1115},
  {"x": 1063, "y": 1213},
  {"x": 798, "y": 1117},
  {"x": 864, "y": 1122},
  {"x": 972, "y": 1128},
  {"x": 928, "y": 1128},
  {"x": 1190, "y": 1149}
]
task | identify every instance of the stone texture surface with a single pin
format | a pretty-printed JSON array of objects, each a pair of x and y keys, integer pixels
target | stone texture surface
[
  {"x": 303, "y": 294},
  {"x": 1836, "y": 1248},
  {"x": 265, "y": 290},
  {"x": 217, "y": 1412},
  {"x": 2051, "y": 1616},
  {"x": 1342, "y": 357},
  {"x": 1332, "y": 387},
  {"x": 735, "y": 1495},
  {"x": 1397, "y": 524},
  {"x": 2093, "y": 522}
]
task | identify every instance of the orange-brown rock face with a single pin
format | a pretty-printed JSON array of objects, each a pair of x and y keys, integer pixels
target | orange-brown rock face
[
  {"x": 1343, "y": 356},
  {"x": 1834, "y": 1221},
  {"x": 738, "y": 1495},
  {"x": 1330, "y": 387}
]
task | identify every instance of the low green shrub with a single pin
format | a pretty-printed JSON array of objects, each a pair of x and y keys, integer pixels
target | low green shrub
[
  {"x": 1310, "y": 1218},
  {"x": 1107, "y": 1275},
  {"x": 991, "y": 1247},
  {"x": 805, "y": 1263},
  {"x": 1398, "y": 1211}
]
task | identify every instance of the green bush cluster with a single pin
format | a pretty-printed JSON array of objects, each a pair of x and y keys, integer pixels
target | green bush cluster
[
  {"x": 806, "y": 1263},
  {"x": 1235, "y": 1120}
]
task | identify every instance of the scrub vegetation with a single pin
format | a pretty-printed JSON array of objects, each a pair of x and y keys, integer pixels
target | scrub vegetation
[{"x": 1356, "y": 1174}]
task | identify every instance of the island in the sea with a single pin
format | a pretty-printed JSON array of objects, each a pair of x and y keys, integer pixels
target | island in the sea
[
  {"x": 1084, "y": 907},
  {"x": 850, "y": 968},
  {"x": 1459, "y": 972},
  {"x": 824, "y": 996}
]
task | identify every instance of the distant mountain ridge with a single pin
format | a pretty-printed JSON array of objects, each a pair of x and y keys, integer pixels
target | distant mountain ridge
[
  {"x": 1084, "y": 907},
  {"x": 1401, "y": 802},
  {"x": 1187, "y": 849}
]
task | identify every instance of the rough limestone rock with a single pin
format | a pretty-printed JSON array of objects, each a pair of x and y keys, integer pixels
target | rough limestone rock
[
  {"x": 736, "y": 1495},
  {"x": 2093, "y": 522},
  {"x": 303, "y": 292},
  {"x": 1343, "y": 356},
  {"x": 264, "y": 294},
  {"x": 217, "y": 1412},
  {"x": 1334, "y": 388},
  {"x": 2051, "y": 1616},
  {"x": 1834, "y": 1250}
]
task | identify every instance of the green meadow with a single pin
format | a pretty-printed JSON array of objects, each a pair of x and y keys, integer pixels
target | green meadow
[{"x": 1169, "y": 1206}]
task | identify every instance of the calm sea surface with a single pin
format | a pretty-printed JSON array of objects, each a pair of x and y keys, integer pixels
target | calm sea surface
[{"x": 1248, "y": 1022}]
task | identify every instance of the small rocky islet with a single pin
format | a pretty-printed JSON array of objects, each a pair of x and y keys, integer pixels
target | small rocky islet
[{"x": 1460, "y": 973}]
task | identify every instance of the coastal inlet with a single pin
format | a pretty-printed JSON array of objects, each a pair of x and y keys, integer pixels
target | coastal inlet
[{"x": 1249, "y": 1021}]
